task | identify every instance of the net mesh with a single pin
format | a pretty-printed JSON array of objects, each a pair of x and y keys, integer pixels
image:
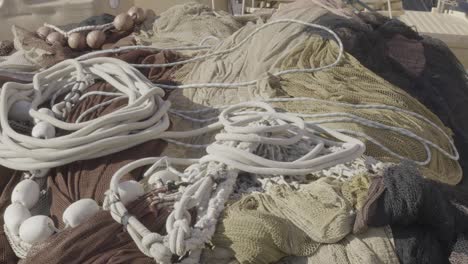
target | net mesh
[
  {"x": 110, "y": 243},
  {"x": 288, "y": 46},
  {"x": 91, "y": 178},
  {"x": 351, "y": 83},
  {"x": 8, "y": 180},
  {"x": 189, "y": 24}
]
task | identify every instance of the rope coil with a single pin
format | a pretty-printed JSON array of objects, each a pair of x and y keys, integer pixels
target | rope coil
[{"x": 142, "y": 119}]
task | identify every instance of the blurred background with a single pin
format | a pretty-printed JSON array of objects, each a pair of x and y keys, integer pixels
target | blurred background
[{"x": 30, "y": 14}]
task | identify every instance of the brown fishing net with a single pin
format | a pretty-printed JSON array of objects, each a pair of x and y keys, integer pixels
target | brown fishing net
[
  {"x": 101, "y": 239},
  {"x": 8, "y": 181}
]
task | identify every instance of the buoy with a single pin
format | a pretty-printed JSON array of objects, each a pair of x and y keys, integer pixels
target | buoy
[
  {"x": 43, "y": 32},
  {"x": 95, "y": 39},
  {"x": 43, "y": 130},
  {"x": 129, "y": 191},
  {"x": 138, "y": 14},
  {"x": 77, "y": 41},
  {"x": 19, "y": 111},
  {"x": 15, "y": 214},
  {"x": 55, "y": 38},
  {"x": 26, "y": 192},
  {"x": 36, "y": 229},
  {"x": 46, "y": 111},
  {"x": 123, "y": 22},
  {"x": 79, "y": 212}
]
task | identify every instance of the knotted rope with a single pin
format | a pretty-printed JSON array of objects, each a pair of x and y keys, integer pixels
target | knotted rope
[{"x": 212, "y": 178}]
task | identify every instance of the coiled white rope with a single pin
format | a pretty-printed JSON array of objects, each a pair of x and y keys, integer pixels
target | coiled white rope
[
  {"x": 334, "y": 117},
  {"x": 212, "y": 178},
  {"x": 142, "y": 119}
]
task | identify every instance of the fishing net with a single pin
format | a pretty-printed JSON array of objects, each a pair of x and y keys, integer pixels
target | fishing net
[
  {"x": 373, "y": 246},
  {"x": 101, "y": 239},
  {"x": 422, "y": 66},
  {"x": 408, "y": 129},
  {"x": 351, "y": 83},
  {"x": 8, "y": 180},
  {"x": 189, "y": 24},
  {"x": 90, "y": 179},
  {"x": 263, "y": 228}
]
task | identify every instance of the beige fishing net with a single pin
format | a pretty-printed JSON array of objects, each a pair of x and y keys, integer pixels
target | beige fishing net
[
  {"x": 351, "y": 83},
  {"x": 263, "y": 228},
  {"x": 288, "y": 45},
  {"x": 355, "y": 189},
  {"x": 191, "y": 24},
  {"x": 374, "y": 246}
]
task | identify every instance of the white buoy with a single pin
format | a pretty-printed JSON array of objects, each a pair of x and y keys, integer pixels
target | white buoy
[
  {"x": 19, "y": 111},
  {"x": 26, "y": 192},
  {"x": 79, "y": 212},
  {"x": 15, "y": 214},
  {"x": 129, "y": 191},
  {"x": 46, "y": 111},
  {"x": 43, "y": 130},
  {"x": 36, "y": 229}
]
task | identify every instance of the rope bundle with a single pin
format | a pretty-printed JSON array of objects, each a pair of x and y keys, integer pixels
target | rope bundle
[
  {"x": 142, "y": 119},
  {"x": 347, "y": 117},
  {"x": 211, "y": 179}
]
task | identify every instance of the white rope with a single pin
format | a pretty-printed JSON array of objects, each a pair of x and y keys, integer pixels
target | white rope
[
  {"x": 210, "y": 185},
  {"x": 389, "y": 4},
  {"x": 335, "y": 117},
  {"x": 235, "y": 47},
  {"x": 142, "y": 119},
  {"x": 66, "y": 34},
  {"x": 138, "y": 47}
]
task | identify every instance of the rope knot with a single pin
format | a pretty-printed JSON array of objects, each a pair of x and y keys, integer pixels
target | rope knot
[
  {"x": 178, "y": 229},
  {"x": 152, "y": 242},
  {"x": 182, "y": 225}
]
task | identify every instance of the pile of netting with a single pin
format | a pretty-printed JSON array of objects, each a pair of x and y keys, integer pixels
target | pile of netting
[{"x": 312, "y": 135}]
